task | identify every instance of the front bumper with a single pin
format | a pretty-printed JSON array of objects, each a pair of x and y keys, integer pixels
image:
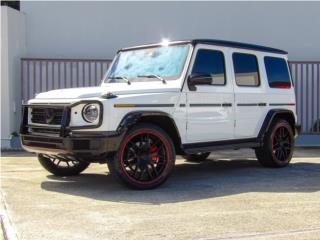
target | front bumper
[
  {"x": 84, "y": 144},
  {"x": 66, "y": 140}
]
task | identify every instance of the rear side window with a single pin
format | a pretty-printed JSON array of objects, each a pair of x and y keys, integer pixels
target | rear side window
[
  {"x": 246, "y": 69},
  {"x": 277, "y": 72},
  {"x": 210, "y": 62}
]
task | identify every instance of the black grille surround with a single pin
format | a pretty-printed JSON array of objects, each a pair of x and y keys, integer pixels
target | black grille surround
[
  {"x": 61, "y": 138},
  {"x": 45, "y": 120}
]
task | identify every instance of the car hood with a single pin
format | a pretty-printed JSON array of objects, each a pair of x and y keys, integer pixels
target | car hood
[{"x": 116, "y": 89}]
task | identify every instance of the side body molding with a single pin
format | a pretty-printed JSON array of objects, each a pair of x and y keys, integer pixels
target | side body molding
[
  {"x": 242, "y": 143},
  {"x": 134, "y": 117}
]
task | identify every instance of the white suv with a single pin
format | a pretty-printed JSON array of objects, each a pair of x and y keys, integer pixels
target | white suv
[{"x": 159, "y": 100}]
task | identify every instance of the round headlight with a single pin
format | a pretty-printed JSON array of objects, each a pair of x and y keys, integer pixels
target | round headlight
[{"x": 90, "y": 112}]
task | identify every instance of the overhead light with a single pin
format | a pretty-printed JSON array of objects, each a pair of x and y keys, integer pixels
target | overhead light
[{"x": 165, "y": 42}]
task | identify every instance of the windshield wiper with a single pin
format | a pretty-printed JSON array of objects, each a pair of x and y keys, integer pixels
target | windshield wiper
[
  {"x": 153, "y": 76},
  {"x": 122, "y": 78}
]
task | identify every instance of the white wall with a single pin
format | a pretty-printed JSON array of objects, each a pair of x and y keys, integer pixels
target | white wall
[
  {"x": 98, "y": 29},
  {"x": 12, "y": 49}
]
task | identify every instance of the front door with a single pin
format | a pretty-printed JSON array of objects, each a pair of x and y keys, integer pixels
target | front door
[{"x": 210, "y": 108}]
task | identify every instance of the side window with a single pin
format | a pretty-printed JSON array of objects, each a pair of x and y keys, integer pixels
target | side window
[
  {"x": 210, "y": 62},
  {"x": 277, "y": 72},
  {"x": 246, "y": 69}
]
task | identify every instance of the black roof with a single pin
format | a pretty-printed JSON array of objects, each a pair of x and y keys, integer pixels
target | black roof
[
  {"x": 238, "y": 45},
  {"x": 215, "y": 42}
]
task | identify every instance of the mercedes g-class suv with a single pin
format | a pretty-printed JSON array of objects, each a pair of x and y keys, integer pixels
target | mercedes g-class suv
[{"x": 156, "y": 101}]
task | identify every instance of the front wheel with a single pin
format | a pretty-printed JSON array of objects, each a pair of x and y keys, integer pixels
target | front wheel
[
  {"x": 145, "y": 159},
  {"x": 62, "y": 166},
  {"x": 278, "y": 145}
]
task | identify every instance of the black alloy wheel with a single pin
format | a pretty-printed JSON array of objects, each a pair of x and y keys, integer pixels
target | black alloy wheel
[
  {"x": 281, "y": 143},
  {"x": 278, "y": 145},
  {"x": 146, "y": 157},
  {"x": 62, "y": 166}
]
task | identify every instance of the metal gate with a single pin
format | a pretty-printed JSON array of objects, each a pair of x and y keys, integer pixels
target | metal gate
[
  {"x": 40, "y": 74},
  {"x": 44, "y": 74},
  {"x": 306, "y": 79}
]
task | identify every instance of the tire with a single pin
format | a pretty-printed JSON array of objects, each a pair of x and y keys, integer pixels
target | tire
[
  {"x": 145, "y": 159},
  {"x": 60, "y": 166},
  {"x": 278, "y": 145},
  {"x": 198, "y": 157}
]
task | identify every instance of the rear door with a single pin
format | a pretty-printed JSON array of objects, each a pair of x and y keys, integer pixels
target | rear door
[
  {"x": 250, "y": 93},
  {"x": 210, "y": 108}
]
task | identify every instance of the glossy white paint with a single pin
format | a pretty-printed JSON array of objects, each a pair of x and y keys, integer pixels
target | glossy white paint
[
  {"x": 250, "y": 118},
  {"x": 77, "y": 119},
  {"x": 195, "y": 124},
  {"x": 210, "y": 123}
]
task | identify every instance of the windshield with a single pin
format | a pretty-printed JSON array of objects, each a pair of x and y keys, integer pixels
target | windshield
[{"x": 134, "y": 65}]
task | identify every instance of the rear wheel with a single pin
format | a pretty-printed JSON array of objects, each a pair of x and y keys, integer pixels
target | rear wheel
[
  {"x": 197, "y": 157},
  {"x": 145, "y": 159},
  {"x": 62, "y": 166},
  {"x": 278, "y": 145}
]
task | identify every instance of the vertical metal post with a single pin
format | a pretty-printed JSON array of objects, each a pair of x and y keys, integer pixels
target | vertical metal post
[
  {"x": 22, "y": 82},
  {"x": 52, "y": 69},
  {"x": 34, "y": 78},
  {"x": 95, "y": 73},
  {"x": 65, "y": 74},
  {"x": 83, "y": 73},
  {"x": 40, "y": 78},
  {"x": 318, "y": 100},
  {"x": 307, "y": 97},
  {"x": 47, "y": 76},
  {"x": 71, "y": 77},
  {"x": 301, "y": 97},
  {"x": 28, "y": 80},
  {"x": 89, "y": 80},
  {"x": 59, "y": 75},
  {"x": 101, "y": 69},
  {"x": 77, "y": 74},
  {"x": 312, "y": 97}
]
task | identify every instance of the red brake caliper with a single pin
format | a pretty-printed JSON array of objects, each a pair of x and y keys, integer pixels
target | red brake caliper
[{"x": 153, "y": 150}]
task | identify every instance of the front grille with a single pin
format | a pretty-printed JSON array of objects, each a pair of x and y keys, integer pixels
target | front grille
[{"x": 51, "y": 116}]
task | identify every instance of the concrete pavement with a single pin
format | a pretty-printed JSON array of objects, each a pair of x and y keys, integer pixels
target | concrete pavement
[{"x": 217, "y": 199}]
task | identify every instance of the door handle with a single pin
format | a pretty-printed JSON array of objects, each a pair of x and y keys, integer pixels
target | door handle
[
  {"x": 226, "y": 104},
  {"x": 262, "y": 104}
]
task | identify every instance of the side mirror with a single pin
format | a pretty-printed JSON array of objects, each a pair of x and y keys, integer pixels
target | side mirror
[{"x": 199, "y": 79}]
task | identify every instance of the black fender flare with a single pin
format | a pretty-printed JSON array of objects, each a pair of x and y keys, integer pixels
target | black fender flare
[
  {"x": 271, "y": 115},
  {"x": 133, "y": 117}
]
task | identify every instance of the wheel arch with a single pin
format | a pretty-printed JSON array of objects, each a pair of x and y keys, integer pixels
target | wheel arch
[
  {"x": 159, "y": 118},
  {"x": 275, "y": 114}
]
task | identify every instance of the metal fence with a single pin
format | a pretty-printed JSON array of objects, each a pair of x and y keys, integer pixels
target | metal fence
[
  {"x": 39, "y": 75},
  {"x": 306, "y": 79},
  {"x": 42, "y": 74}
]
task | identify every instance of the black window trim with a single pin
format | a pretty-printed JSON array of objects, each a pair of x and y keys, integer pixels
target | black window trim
[
  {"x": 259, "y": 76},
  {"x": 224, "y": 65},
  {"x": 288, "y": 68}
]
